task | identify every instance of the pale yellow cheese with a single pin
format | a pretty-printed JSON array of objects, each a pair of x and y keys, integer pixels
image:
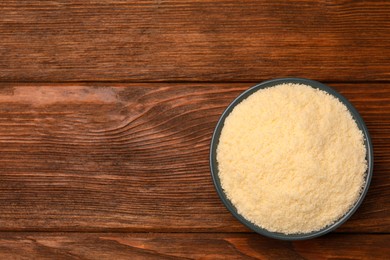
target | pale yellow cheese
[{"x": 291, "y": 159}]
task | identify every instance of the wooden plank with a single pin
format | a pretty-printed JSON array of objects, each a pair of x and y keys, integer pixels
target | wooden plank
[
  {"x": 203, "y": 40},
  {"x": 188, "y": 246},
  {"x": 134, "y": 157}
]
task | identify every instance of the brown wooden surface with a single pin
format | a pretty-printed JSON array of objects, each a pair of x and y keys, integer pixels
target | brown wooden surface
[
  {"x": 188, "y": 246},
  {"x": 107, "y": 110},
  {"x": 100, "y": 158},
  {"x": 52, "y": 41}
]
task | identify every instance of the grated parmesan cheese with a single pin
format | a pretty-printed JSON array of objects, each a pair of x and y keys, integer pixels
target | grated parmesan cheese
[{"x": 291, "y": 159}]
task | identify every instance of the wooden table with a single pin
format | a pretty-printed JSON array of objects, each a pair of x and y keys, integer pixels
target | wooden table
[{"x": 107, "y": 109}]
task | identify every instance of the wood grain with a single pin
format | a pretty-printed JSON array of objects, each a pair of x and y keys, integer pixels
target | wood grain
[
  {"x": 134, "y": 157},
  {"x": 188, "y": 246},
  {"x": 203, "y": 40}
]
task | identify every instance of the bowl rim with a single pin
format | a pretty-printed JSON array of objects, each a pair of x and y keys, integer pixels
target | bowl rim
[{"x": 214, "y": 165}]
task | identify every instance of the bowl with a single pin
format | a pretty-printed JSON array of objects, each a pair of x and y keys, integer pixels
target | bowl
[{"x": 214, "y": 164}]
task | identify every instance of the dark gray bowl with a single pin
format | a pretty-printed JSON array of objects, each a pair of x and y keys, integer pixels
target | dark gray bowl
[{"x": 231, "y": 207}]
